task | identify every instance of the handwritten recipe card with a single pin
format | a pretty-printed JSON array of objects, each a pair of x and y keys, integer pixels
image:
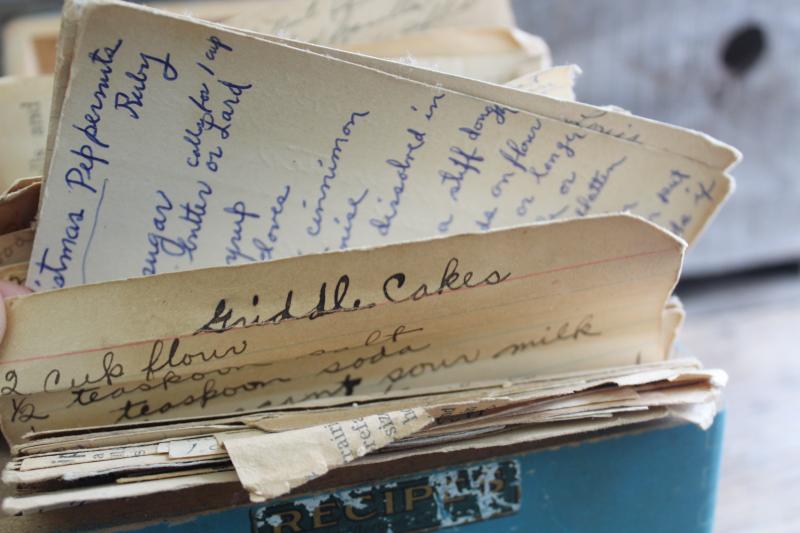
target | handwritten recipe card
[
  {"x": 563, "y": 296},
  {"x": 183, "y": 145}
]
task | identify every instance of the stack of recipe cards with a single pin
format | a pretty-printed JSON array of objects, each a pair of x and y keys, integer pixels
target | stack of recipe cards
[
  {"x": 470, "y": 37},
  {"x": 261, "y": 259}
]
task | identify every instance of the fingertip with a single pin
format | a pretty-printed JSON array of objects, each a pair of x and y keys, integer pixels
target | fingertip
[{"x": 9, "y": 289}]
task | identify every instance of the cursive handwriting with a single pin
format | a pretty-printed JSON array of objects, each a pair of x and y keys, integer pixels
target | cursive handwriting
[
  {"x": 464, "y": 162},
  {"x": 485, "y": 224},
  {"x": 387, "y": 348},
  {"x": 81, "y": 174},
  {"x": 233, "y": 250},
  {"x": 85, "y": 396},
  {"x": 515, "y": 151},
  {"x": 218, "y": 120},
  {"x": 135, "y": 410},
  {"x": 444, "y": 225},
  {"x": 79, "y": 177},
  {"x": 395, "y": 289},
  {"x": 69, "y": 241},
  {"x": 496, "y": 111},
  {"x": 133, "y": 101},
  {"x": 351, "y": 215},
  {"x": 565, "y": 332},
  {"x": 704, "y": 192},
  {"x": 596, "y": 185},
  {"x": 590, "y": 122},
  {"x": 384, "y": 223},
  {"x": 524, "y": 203},
  {"x": 192, "y": 213},
  {"x": 400, "y": 373},
  {"x": 434, "y": 106},
  {"x": 676, "y": 177},
  {"x": 110, "y": 371},
  {"x": 497, "y": 188},
  {"x": 265, "y": 250},
  {"x": 452, "y": 280},
  {"x": 333, "y": 166},
  {"x": 563, "y": 149},
  {"x": 175, "y": 358},
  {"x": 226, "y": 317}
]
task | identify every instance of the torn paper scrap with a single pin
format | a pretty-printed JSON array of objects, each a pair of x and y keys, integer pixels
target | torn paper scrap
[{"x": 270, "y": 465}]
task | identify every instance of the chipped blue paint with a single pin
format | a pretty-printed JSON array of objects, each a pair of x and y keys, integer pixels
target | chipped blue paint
[
  {"x": 425, "y": 502},
  {"x": 655, "y": 480}
]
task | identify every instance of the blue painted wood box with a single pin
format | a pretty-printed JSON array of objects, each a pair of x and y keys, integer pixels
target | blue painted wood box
[{"x": 654, "y": 478}]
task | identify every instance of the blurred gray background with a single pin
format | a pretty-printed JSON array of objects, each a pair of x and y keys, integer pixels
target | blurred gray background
[{"x": 725, "y": 67}]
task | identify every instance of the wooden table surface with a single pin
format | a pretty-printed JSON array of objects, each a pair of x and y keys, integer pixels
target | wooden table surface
[{"x": 749, "y": 327}]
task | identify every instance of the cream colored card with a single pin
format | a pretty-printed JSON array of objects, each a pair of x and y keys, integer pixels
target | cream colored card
[
  {"x": 555, "y": 82},
  {"x": 484, "y": 53},
  {"x": 568, "y": 295},
  {"x": 608, "y": 120},
  {"x": 217, "y": 162},
  {"x": 24, "y": 115},
  {"x": 342, "y": 22},
  {"x": 29, "y": 42}
]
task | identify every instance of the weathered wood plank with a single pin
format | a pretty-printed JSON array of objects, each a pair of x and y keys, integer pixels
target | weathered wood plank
[{"x": 665, "y": 60}]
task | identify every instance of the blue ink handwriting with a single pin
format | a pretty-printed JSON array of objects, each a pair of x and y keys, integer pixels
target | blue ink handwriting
[
  {"x": 272, "y": 235},
  {"x": 596, "y": 186},
  {"x": 316, "y": 226},
  {"x": 208, "y": 122},
  {"x": 678, "y": 227},
  {"x": 589, "y": 122},
  {"x": 134, "y": 99},
  {"x": 552, "y": 216},
  {"x": 434, "y": 105},
  {"x": 68, "y": 243},
  {"x": 563, "y": 149},
  {"x": 444, "y": 225},
  {"x": 465, "y": 162},
  {"x": 492, "y": 110},
  {"x": 567, "y": 183},
  {"x": 676, "y": 178},
  {"x": 350, "y": 217},
  {"x": 488, "y": 217},
  {"x": 522, "y": 209},
  {"x": 384, "y": 223},
  {"x": 81, "y": 174},
  {"x": 519, "y": 150},
  {"x": 497, "y": 188},
  {"x": 193, "y": 214},
  {"x": 216, "y": 46},
  {"x": 234, "y": 250},
  {"x": 704, "y": 193}
]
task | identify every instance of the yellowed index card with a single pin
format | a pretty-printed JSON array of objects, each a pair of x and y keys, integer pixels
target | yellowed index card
[
  {"x": 24, "y": 115},
  {"x": 29, "y": 42},
  {"x": 484, "y": 53},
  {"x": 342, "y": 22},
  {"x": 567, "y": 295},
  {"x": 195, "y": 153}
]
